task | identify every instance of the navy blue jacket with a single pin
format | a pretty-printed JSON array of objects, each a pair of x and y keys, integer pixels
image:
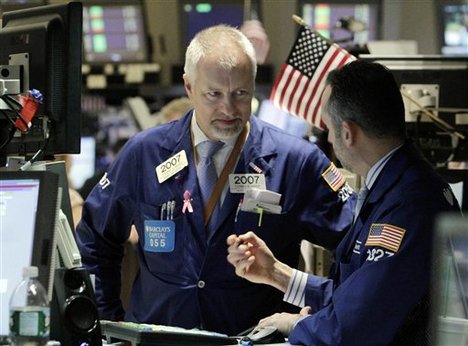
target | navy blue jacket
[
  {"x": 193, "y": 285},
  {"x": 383, "y": 265}
]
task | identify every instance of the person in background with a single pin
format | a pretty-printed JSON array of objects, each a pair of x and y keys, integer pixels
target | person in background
[
  {"x": 378, "y": 291},
  {"x": 174, "y": 109},
  {"x": 156, "y": 184}
]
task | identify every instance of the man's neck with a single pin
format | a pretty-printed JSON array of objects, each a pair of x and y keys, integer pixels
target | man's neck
[{"x": 375, "y": 151}]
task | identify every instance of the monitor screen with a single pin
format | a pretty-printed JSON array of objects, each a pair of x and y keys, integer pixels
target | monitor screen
[
  {"x": 198, "y": 15},
  {"x": 28, "y": 209},
  {"x": 453, "y": 23},
  {"x": 450, "y": 280},
  {"x": 324, "y": 16},
  {"x": 114, "y": 33}
]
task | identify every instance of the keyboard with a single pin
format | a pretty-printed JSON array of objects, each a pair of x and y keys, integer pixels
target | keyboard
[{"x": 142, "y": 334}]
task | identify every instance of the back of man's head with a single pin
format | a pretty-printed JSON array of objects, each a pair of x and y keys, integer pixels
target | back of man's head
[{"x": 367, "y": 94}]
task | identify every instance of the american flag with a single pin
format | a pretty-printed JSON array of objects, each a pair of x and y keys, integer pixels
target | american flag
[
  {"x": 334, "y": 178},
  {"x": 386, "y": 236},
  {"x": 300, "y": 83}
]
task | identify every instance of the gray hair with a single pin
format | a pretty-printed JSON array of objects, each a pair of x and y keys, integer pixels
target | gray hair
[{"x": 222, "y": 40}]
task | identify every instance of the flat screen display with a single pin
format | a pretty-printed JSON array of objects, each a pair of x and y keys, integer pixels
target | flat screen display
[
  {"x": 450, "y": 280},
  {"x": 28, "y": 207},
  {"x": 198, "y": 15},
  {"x": 324, "y": 16},
  {"x": 454, "y": 27},
  {"x": 114, "y": 33}
]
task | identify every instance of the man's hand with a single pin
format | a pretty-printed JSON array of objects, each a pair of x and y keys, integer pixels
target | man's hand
[
  {"x": 255, "y": 262},
  {"x": 284, "y": 322},
  {"x": 251, "y": 257}
]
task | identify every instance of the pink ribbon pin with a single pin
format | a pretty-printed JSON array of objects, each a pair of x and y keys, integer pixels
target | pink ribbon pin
[{"x": 187, "y": 203}]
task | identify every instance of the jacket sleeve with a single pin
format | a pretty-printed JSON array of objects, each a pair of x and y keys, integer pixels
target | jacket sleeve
[
  {"x": 324, "y": 213},
  {"x": 372, "y": 303},
  {"x": 105, "y": 226}
]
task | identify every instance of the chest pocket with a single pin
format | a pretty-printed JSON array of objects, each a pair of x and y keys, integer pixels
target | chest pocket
[{"x": 169, "y": 263}]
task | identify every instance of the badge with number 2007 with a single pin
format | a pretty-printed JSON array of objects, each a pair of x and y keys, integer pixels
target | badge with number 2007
[{"x": 171, "y": 166}]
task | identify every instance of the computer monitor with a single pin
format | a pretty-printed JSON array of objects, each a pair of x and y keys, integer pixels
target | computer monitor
[
  {"x": 453, "y": 26},
  {"x": 28, "y": 210},
  {"x": 323, "y": 16},
  {"x": 115, "y": 32},
  {"x": 198, "y": 15},
  {"x": 41, "y": 49},
  {"x": 450, "y": 280}
]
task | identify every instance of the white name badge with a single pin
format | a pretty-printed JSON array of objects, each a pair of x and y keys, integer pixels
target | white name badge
[
  {"x": 171, "y": 166},
  {"x": 239, "y": 183}
]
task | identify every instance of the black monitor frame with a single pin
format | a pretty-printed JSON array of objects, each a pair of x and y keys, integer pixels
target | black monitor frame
[
  {"x": 46, "y": 42},
  {"x": 43, "y": 252}
]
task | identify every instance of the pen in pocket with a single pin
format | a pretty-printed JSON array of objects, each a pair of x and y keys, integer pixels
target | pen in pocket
[
  {"x": 163, "y": 210},
  {"x": 238, "y": 209}
]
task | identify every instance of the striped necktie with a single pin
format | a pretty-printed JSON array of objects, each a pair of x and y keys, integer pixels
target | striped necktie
[{"x": 207, "y": 175}]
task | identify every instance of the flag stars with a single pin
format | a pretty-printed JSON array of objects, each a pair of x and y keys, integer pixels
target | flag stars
[{"x": 311, "y": 57}]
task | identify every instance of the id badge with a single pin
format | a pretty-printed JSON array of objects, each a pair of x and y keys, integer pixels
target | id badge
[
  {"x": 239, "y": 183},
  {"x": 171, "y": 166},
  {"x": 159, "y": 235}
]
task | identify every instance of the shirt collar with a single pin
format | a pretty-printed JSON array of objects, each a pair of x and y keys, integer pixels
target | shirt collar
[{"x": 375, "y": 170}]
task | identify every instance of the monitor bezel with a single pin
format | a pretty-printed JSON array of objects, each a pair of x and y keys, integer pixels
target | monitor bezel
[{"x": 43, "y": 256}]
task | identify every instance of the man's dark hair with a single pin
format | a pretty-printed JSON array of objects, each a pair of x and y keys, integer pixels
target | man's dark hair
[{"x": 367, "y": 94}]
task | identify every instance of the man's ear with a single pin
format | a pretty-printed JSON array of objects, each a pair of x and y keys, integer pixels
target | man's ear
[
  {"x": 348, "y": 132},
  {"x": 187, "y": 85}
]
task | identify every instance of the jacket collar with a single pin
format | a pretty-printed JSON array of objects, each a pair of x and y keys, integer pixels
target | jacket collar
[
  {"x": 394, "y": 169},
  {"x": 179, "y": 135}
]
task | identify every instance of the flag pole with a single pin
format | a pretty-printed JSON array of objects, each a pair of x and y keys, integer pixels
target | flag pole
[
  {"x": 302, "y": 22},
  {"x": 299, "y": 20}
]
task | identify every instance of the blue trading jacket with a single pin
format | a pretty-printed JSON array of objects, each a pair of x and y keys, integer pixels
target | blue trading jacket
[
  {"x": 193, "y": 285},
  {"x": 380, "y": 279}
]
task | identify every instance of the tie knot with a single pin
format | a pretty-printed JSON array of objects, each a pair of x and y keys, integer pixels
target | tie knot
[{"x": 209, "y": 148}]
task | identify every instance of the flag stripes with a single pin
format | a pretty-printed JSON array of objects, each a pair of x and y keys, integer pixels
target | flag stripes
[{"x": 301, "y": 81}]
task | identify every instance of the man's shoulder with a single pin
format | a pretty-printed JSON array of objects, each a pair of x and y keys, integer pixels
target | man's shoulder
[
  {"x": 266, "y": 131},
  {"x": 156, "y": 135}
]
